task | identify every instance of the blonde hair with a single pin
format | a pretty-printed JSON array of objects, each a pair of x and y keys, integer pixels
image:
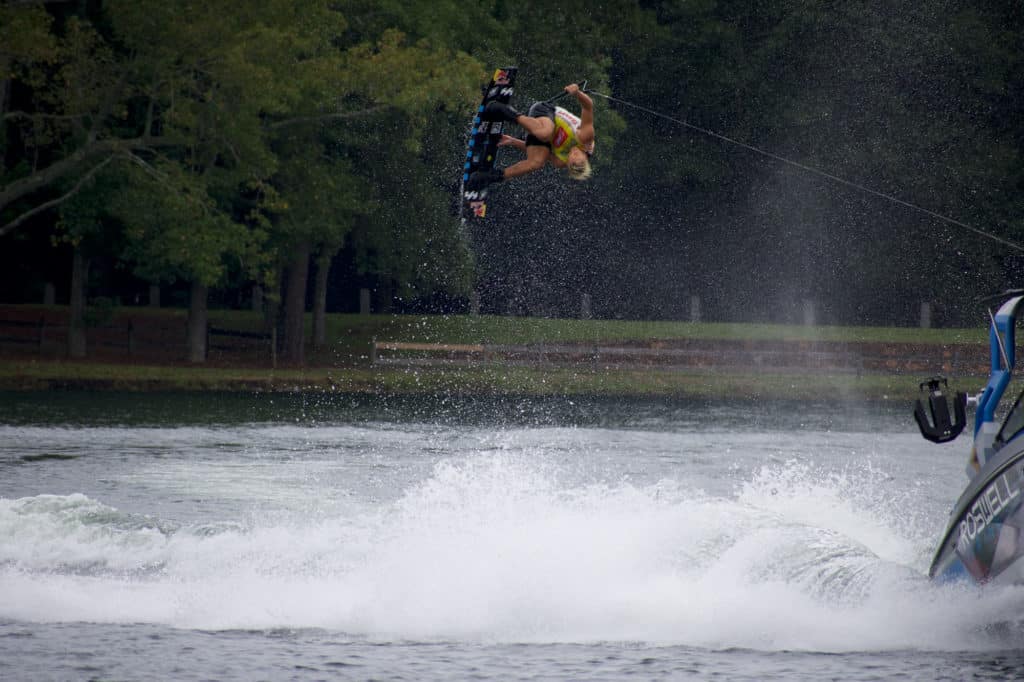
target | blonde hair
[{"x": 583, "y": 173}]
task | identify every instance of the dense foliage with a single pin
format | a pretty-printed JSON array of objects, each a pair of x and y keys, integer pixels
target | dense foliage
[{"x": 227, "y": 145}]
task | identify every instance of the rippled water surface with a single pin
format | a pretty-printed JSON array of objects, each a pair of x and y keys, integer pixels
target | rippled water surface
[{"x": 296, "y": 537}]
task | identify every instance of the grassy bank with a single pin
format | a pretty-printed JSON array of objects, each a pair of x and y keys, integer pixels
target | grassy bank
[
  {"x": 44, "y": 375},
  {"x": 343, "y": 365},
  {"x": 356, "y": 331}
]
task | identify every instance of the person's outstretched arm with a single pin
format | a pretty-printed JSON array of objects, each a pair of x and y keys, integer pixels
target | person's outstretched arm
[{"x": 586, "y": 131}]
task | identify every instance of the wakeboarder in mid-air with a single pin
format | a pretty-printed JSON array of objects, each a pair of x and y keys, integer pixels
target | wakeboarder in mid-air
[{"x": 553, "y": 135}]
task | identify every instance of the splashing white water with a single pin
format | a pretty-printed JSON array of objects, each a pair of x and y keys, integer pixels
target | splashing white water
[{"x": 499, "y": 548}]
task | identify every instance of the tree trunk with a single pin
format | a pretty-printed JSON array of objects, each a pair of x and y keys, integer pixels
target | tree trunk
[
  {"x": 295, "y": 305},
  {"x": 76, "y": 325},
  {"x": 197, "y": 322},
  {"x": 257, "y": 298},
  {"x": 386, "y": 296},
  {"x": 323, "y": 269},
  {"x": 272, "y": 316}
]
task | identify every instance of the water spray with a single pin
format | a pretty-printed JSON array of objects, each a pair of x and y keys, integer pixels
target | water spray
[{"x": 815, "y": 171}]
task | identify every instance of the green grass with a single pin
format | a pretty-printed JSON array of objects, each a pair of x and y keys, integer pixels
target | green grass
[
  {"x": 350, "y": 336},
  {"x": 50, "y": 374},
  {"x": 514, "y": 330},
  {"x": 342, "y": 365},
  {"x": 356, "y": 331}
]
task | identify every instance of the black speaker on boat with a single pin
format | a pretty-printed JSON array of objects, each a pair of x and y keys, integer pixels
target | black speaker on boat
[{"x": 941, "y": 428}]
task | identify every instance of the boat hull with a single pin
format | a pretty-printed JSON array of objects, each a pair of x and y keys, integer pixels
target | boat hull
[{"x": 985, "y": 536}]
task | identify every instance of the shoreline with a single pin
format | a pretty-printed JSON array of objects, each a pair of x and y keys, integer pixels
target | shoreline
[{"x": 24, "y": 375}]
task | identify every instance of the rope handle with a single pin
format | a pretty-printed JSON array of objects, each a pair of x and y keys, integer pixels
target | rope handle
[{"x": 563, "y": 93}]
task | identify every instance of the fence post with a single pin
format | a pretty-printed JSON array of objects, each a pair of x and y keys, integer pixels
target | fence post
[
  {"x": 474, "y": 303},
  {"x": 131, "y": 336},
  {"x": 364, "y": 301},
  {"x": 257, "y": 298},
  {"x": 273, "y": 346},
  {"x": 695, "y": 309},
  {"x": 585, "y": 307},
  {"x": 808, "y": 312},
  {"x": 926, "y": 315}
]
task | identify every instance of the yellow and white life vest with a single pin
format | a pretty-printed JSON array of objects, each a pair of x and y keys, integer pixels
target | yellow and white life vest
[{"x": 565, "y": 137}]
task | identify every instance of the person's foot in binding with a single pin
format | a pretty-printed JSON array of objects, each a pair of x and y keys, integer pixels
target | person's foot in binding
[
  {"x": 499, "y": 111},
  {"x": 494, "y": 111},
  {"x": 481, "y": 179}
]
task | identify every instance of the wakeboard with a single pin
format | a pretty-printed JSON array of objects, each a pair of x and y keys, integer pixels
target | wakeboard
[{"x": 483, "y": 143}]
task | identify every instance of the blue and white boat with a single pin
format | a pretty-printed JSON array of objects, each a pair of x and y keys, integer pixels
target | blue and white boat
[{"x": 984, "y": 540}]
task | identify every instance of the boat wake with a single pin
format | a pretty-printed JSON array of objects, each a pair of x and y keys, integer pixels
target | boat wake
[{"x": 499, "y": 547}]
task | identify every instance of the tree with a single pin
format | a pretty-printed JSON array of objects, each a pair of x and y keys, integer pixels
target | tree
[
  {"x": 175, "y": 230},
  {"x": 330, "y": 168},
  {"x": 299, "y": 130},
  {"x": 27, "y": 46}
]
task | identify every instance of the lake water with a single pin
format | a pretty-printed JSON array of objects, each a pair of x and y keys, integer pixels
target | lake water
[{"x": 225, "y": 537}]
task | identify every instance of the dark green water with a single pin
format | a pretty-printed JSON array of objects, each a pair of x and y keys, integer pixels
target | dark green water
[{"x": 184, "y": 408}]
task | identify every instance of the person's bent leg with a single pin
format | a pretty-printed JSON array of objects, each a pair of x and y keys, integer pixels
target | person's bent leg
[
  {"x": 541, "y": 128},
  {"x": 539, "y": 122},
  {"x": 536, "y": 157}
]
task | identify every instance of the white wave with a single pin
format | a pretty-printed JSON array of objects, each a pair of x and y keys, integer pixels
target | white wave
[{"x": 498, "y": 547}]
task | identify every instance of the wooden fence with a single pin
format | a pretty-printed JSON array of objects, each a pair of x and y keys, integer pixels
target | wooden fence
[{"x": 152, "y": 339}]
